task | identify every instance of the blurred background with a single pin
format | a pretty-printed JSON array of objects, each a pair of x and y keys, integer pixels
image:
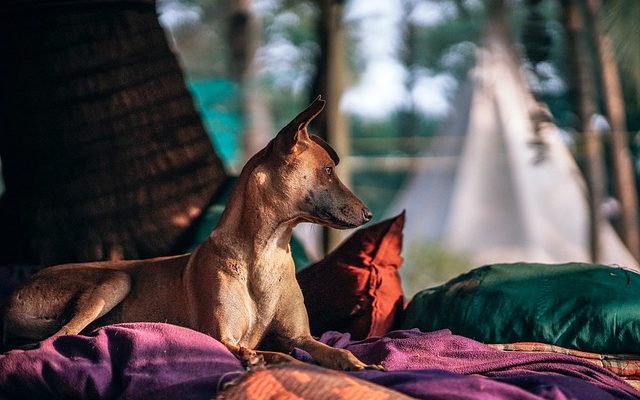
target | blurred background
[
  {"x": 399, "y": 71},
  {"x": 507, "y": 129}
]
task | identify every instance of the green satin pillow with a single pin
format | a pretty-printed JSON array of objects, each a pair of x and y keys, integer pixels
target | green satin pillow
[{"x": 582, "y": 306}]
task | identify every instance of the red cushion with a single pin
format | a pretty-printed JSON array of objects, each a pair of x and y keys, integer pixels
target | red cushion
[{"x": 356, "y": 288}]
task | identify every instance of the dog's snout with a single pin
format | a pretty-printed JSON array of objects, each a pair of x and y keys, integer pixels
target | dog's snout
[{"x": 367, "y": 214}]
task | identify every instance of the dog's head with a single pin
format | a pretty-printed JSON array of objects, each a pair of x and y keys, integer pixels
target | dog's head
[{"x": 302, "y": 172}]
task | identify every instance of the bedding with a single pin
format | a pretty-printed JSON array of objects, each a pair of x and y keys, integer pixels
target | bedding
[
  {"x": 357, "y": 289},
  {"x": 626, "y": 366},
  {"x": 161, "y": 361},
  {"x": 589, "y": 307}
]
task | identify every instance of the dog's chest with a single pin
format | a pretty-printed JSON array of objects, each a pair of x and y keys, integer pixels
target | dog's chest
[
  {"x": 267, "y": 291},
  {"x": 266, "y": 297},
  {"x": 261, "y": 310}
]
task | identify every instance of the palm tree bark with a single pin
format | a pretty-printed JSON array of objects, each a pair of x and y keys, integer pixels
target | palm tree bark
[
  {"x": 614, "y": 103},
  {"x": 104, "y": 155}
]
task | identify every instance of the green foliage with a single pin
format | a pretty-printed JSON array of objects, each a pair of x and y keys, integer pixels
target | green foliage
[
  {"x": 200, "y": 40},
  {"x": 449, "y": 46},
  {"x": 535, "y": 36},
  {"x": 377, "y": 189},
  {"x": 621, "y": 20},
  {"x": 633, "y": 110},
  {"x": 379, "y": 138},
  {"x": 289, "y": 48},
  {"x": 295, "y": 23},
  {"x": 430, "y": 264}
]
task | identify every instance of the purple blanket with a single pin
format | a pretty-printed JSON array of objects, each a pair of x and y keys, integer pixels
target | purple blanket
[
  {"x": 428, "y": 365},
  {"x": 160, "y": 361}
]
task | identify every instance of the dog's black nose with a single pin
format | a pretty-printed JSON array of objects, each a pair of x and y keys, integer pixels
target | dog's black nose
[{"x": 367, "y": 214}]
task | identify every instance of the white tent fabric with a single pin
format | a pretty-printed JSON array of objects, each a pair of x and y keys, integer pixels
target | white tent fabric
[{"x": 502, "y": 199}]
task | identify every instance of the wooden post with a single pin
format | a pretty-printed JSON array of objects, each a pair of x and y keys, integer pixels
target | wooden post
[
  {"x": 330, "y": 83},
  {"x": 244, "y": 39},
  {"x": 582, "y": 75}
]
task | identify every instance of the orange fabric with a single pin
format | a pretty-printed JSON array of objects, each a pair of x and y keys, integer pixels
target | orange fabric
[
  {"x": 624, "y": 365},
  {"x": 295, "y": 381},
  {"x": 356, "y": 288}
]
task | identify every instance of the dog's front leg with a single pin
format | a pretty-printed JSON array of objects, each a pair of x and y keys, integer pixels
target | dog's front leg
[
  {"x": 251, "y": 358},
  {"x": 330, "y": 357},
  {"x": 291, "y": 329},
  {"x": 230, "y": 323}
]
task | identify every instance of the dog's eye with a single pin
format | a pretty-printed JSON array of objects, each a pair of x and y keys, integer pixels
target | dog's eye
[{"x": 328, "y": 170}]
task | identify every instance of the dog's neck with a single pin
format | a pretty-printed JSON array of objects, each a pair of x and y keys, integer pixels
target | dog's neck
[{"x": 251, "y": 229}]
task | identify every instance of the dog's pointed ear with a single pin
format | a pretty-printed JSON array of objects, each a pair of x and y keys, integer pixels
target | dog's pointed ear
[{"x": 296, "y": 130}]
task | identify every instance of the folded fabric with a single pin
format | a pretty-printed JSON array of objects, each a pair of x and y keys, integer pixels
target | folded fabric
[
  {"x": 131, "y": 361},
  {"x": 292, "y": 381},
  {"x": 624, "y": 365},
  {"x": 440, "y": 365}
]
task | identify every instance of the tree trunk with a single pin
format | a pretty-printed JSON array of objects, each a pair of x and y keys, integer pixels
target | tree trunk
[
  {"x": 582, "y": 81},
  {"x": 330, "y": 82},
  {"x": 408, "y": 118},
  {"x": 244, "y": 39},
  {"x": 104, "y": 155},
  {"x": 614, "y": 103}
]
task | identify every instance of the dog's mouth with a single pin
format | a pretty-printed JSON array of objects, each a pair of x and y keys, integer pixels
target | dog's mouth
[{"x": 333, "y": 221}]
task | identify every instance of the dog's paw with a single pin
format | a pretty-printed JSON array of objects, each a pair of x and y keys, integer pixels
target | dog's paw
[
  {"x": 344, "y": 360},
  {"x": 251, "y": 359},
  {"x": 274, "y": 357},
  {"x": 375, "y": 367}
]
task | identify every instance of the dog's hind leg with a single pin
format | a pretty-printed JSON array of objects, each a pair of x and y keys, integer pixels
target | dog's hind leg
[{"x": 97, "y": 301}]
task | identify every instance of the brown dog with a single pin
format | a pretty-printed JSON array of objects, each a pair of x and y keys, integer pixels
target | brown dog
[{"x": 239, "y": 286}]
